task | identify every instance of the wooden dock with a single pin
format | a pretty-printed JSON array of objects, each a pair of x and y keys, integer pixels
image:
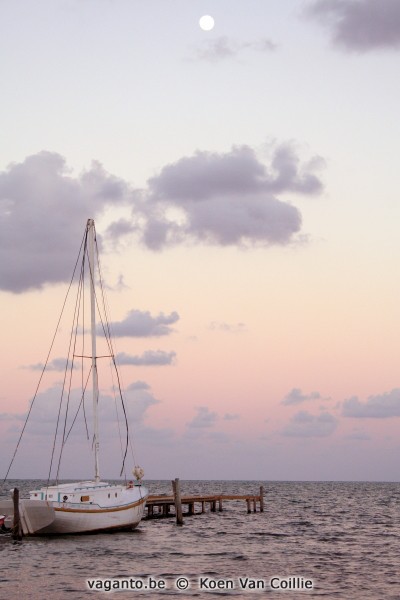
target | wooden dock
[{"x": 160, "y": 506}]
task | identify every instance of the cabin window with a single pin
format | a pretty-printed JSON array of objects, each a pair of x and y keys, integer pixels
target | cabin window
[{"x": 85, "y": 498}]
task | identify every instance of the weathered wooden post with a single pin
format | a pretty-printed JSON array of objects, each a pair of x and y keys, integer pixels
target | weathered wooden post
[
  {"x": 220, "y": 504},
  {"x": 248, "y": 506},
  {"x": 254, "y": 504},
  {"x": 178, "y": 501},
  {"x": 202, "y": 506},
  {"x": 17, "y": 534},
  {"x": 261, "y": 498}
]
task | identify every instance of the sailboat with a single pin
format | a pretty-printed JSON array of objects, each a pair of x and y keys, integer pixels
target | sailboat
[{"x": 94, "y": 505}]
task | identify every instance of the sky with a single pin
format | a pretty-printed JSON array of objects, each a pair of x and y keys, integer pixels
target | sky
[{"x": 245, "y": 185}]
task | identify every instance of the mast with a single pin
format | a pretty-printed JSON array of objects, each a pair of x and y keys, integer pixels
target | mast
[{"x": 92, "y": 235}]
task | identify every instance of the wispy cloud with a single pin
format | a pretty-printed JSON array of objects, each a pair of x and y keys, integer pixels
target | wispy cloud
[
  {"x": 148, "y": 358},
  {"x": 357, "y": 434},
  {"x": 204, "y": 418},
  {"x": 231, "y": 417},
  {"x": 139, "y": 323},
  {"x": 381, "y": 406},
  {"x": 359, "y": 25},
  {"x": 226, "y": 327},
  {"x": 296, "y": 396},
  {"x": 304, "y": 424},
  {"x": 57, "y": 364},
  {"x": 222, "y": 48}
]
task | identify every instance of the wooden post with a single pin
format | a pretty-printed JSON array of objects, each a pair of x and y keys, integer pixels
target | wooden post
[
  {"x": 213, "y": 506},
  {"x": 220, "y": 504},
  {"x": 254, "y": 504},
  {"x": 178, "y": 501},
  {"x": 248, "y": 505},
  {"x": 261, "y": 499},
  {"x": 17, "y": 534},
  {"x": 202, "y": 506}
]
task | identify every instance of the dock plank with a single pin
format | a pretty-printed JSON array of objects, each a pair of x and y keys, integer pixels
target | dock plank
[{"x": 164, "y": 502}]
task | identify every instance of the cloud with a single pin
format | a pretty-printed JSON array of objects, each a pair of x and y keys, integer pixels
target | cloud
[
  {"x": 222, "y": 48},
  {"x": 356, "y": 434},
  {"x": 224, "y": 199},
  {"x": 209, "y": 174},
  {"x": 148, "y": 358},
  {"x": 383, "y": 406},
  {"x": 228, "y": 198},
  {"x": 296, "y": 396},
  {"x": 138, "y": 385},
  {"x": 57, "y": 364},
  {"x": 140, "y": 398},
  {"x": 139, "y": 323},
  {"x": 10, "y": 417},
  {"x": 304, "y": 424},
  {"x": 204, "y": 418},
  {"x": 231, "y": 417},
  {"x": 360, "y": 25},
  {"x": 43, "y": 212}
]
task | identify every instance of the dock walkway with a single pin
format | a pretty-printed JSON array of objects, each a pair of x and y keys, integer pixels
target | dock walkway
[{"x": 163, "y": 503}]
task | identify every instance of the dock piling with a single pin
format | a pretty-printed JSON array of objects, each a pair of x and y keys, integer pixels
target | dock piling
[
  {"x": 17, "y": 531},
  {"x": 178, "y": 502}
]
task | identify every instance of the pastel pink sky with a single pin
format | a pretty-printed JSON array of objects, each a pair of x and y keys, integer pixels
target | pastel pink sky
[{"x": 245, "y": 179}]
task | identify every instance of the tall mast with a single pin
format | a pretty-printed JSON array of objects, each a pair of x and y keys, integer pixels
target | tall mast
[{"x": 92, "y": 235}]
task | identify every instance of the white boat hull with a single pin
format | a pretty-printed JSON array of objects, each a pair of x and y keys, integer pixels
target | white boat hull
[
  {"x": 82, "y": 507},
  {"x": 86, "y": 521},
  {"x": 90, "y": 506}
]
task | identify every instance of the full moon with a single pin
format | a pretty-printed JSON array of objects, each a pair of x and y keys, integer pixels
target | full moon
[{"x": 206, "y": 23}]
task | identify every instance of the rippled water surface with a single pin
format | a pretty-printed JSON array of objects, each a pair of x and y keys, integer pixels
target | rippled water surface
[{"x": 345, "y": 537}]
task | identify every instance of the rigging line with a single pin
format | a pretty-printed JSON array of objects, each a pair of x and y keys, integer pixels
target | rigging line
[
  {"x": 73, "y": 335},
  {"x": 45, "y": 364},
  {"x": 106, "y": 330},
  {"x": 126, "y": 418},
  {"x": 109, "y": 343},
  {"x": 107, "y": 327},
  {"x": 109, "y": 340},
  {"x": 79, "y": 407},
  {"x": 62, "y": 395},
  {"x": 116, "y": 411},
  {"x": 103, "y": 356},
  {"x": 106, "y": 310}
]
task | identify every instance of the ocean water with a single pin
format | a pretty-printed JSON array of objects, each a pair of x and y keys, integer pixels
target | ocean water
[{"x": 343, "y": 537}]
